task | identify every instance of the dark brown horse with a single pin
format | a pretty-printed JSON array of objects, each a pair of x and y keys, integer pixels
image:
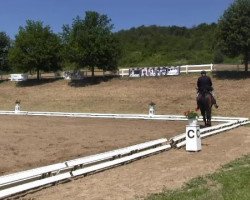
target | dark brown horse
[{"x": 205, "y": 103}]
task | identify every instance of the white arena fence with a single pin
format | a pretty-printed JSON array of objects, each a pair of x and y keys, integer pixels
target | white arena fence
[
  {"x": 18, "y": 183},
  {"x": 131, "y": 72},
  {"x": 180, "y": 140},
  {"x": 183, "y": 69},
  {"x": 30, "y": 179},
  {"x": 196, "y": 68}
]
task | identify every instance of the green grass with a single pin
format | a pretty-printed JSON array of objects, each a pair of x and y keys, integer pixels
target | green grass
[
  {"x": 247, "y": 125},
  {"x": 231, "y": 182}
]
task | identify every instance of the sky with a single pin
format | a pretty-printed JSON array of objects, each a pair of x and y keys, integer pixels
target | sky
[{"x": 124, "y": 14}]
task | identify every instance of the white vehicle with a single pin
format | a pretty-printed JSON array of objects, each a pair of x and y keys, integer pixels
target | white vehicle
[{"x": 18, "y": 77}]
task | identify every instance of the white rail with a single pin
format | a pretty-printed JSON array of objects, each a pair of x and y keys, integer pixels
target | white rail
[
  {"x": 123, "y": 72},
  {"x": 114, "y": 116},
  {"x": 30, "y": 179},
  {"x": 196, "y": 68}
]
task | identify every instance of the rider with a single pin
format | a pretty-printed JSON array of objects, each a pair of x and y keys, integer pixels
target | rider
[{"x": 205, "y": 82}]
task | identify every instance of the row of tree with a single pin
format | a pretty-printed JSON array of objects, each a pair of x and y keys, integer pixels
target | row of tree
[{"x": 90, "y": 43}]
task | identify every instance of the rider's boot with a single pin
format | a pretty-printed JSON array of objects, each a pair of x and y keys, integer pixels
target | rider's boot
[
  {"x": 197, "y": 108},
  {"x": 197, "y": 100},
  {"x": 214, "y": 101}
]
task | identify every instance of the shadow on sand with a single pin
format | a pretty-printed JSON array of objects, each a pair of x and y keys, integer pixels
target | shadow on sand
[
  {"x": 35, "y": 82},
  {"x": 1, "y": 81},
  {"x": 234, "y": 75},
  {"x": 90, "y": 81}
]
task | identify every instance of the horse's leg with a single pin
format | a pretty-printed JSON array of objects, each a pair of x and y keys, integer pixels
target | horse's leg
[
  {"x": 208, "y": 120},
  {"x": 203, "y": 115},
  {"x": 208, "y": 114}
]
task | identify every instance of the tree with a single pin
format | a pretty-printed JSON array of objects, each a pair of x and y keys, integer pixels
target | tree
[
  {"x": 35, "y": 48},
  {"x": 90, "y": 42},
  {"x": 4, "y": 48},
  {"x": 234, "y": 30},
  {"x": 218, "y": 57}
]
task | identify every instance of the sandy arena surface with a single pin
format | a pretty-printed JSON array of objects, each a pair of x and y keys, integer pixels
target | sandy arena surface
[
  {"x": 57, "y": 139},
  {"x": 32, "y": 141}
]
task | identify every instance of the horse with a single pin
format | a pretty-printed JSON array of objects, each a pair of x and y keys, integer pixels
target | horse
[{"x": 205, "y": 103}]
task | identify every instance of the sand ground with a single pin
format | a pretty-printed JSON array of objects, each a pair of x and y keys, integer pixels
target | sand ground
[{"x": 57, "y": 139}]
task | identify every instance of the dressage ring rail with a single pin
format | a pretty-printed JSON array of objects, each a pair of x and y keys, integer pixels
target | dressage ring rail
[{"x": 20, "y": 182}]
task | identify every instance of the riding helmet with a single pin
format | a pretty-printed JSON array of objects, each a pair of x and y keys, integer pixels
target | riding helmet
[{"x": 203, "y": 72}]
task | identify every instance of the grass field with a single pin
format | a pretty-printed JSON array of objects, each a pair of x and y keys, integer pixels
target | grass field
[{"x": 230, "y": 183}]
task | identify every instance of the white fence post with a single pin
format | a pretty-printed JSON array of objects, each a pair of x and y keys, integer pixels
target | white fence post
[
  {"x": 151, "y": 111},
  {"x": 17, "y": 108}
]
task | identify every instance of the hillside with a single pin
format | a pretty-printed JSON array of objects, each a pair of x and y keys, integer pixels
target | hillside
[{"x": 173, "y": 45}]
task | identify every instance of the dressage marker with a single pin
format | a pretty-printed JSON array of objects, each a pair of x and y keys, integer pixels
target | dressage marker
[
  {"x": 193, "y": 138},
  {"x": 17, "y": 183}
]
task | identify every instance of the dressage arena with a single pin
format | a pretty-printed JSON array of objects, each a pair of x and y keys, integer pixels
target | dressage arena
[
  {"x": 123, "y": 132},
  {"x": 30, "y": 140}
]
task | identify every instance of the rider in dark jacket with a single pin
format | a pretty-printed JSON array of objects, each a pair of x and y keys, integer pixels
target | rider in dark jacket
[{"x": 205, "y": 83}]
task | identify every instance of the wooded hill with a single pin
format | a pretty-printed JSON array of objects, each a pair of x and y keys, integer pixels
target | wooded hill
[{"x": 173, "y": 45}]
